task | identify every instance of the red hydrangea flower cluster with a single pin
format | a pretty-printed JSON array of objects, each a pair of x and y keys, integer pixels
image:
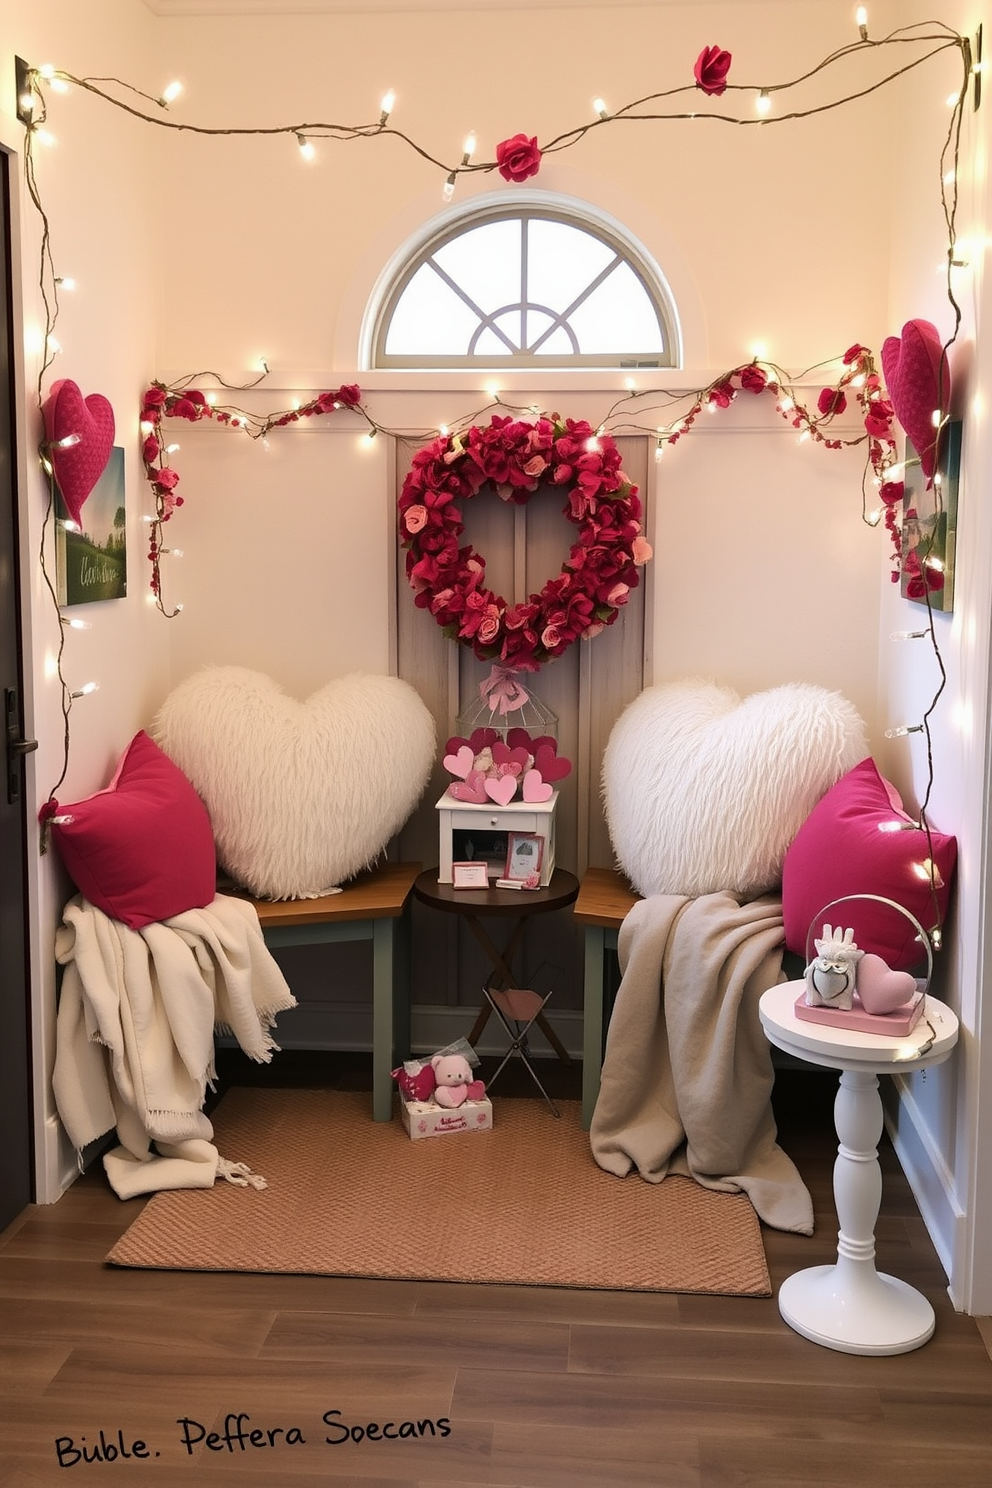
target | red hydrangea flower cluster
[{"x": 518, "y": 459}]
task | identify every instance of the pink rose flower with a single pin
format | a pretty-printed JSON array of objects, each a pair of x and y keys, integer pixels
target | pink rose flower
[
  {"x": 489, "y": 625},
  {"x": 853, "y": 353},
  {"x": 167, "y": 478},
  {"x": 642, "y": 550},
  {"x": 518, "y": 157},
  {"x": 350, "y": 394},
  {"x": 831, "y": 400},
  {"x": 754, "y": 379},
  {"x": 151, "y": 449},
  {"x": 414, "y": 518},
  {"x": 712, "y": 66},
  {"x": 536, "y": 465},
  {"x": 550, "y": 637}
]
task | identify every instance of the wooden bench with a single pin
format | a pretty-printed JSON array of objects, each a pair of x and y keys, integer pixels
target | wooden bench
[
  {"x": 604, "y": 899},
  {"x": 371, "y": 907}
]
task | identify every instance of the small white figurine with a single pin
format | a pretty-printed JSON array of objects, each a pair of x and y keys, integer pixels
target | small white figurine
[{"x": 831, "y": 975}]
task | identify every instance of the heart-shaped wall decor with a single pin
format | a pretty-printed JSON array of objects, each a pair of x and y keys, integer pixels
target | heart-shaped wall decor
[
  {"x": 917, "y": 379},
  {"x": 301, "y": 795},
  {"x": 88, "y": 423},
  {"x": 881, "y": 989},
  {"x": 704, "y": 791}
]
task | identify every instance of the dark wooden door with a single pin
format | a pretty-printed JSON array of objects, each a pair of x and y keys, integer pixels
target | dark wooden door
[{"x": 15, "y": 1101}]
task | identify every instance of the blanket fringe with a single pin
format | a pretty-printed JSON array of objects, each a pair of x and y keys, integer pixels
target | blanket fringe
[{"x": 239, "y": 1174}]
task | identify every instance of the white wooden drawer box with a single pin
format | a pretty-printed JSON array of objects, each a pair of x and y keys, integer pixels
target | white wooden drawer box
[{"x": 475, "y": 833}]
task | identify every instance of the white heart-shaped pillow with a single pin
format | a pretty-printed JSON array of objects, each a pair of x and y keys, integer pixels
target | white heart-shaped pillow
[
  {"x": 301, "y": 795},
  {"x": 705, "y": 791}
]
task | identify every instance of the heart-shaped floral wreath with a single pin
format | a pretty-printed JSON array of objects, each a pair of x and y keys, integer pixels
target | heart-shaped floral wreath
[{"x": 518, "y": 459}]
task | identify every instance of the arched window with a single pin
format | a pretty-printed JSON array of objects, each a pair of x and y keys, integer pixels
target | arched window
[{"x": 513, "y": 283}]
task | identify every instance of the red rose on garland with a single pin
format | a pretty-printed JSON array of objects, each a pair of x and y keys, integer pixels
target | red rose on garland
[
  {"x": 712, "y": 66},
  {"x": 518, "y": 158}
]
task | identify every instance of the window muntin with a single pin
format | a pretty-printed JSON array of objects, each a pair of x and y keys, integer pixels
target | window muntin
[{"x": 526, "y": 287}]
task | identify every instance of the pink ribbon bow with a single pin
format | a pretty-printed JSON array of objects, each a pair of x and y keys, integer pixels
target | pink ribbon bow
[{"x": 503, "y": 691}]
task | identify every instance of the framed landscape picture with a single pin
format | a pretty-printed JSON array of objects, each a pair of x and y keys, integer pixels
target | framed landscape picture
[
  {"x": 92, "y": 564},
  {"x": 929, "y": 522}
]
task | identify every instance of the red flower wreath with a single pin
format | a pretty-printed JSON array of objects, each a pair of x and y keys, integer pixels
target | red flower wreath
[{"x": 520, "y": 459}]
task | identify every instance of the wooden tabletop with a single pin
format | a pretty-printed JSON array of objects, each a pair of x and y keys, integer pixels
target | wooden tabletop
[
  {"x": 604, "y": 898},
  {"x": 561, "y": 891},
  {"x": 379, "y": 894}
]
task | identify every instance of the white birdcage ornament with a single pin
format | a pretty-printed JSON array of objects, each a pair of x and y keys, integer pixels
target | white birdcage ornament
[{"x": 503, "y": 702}]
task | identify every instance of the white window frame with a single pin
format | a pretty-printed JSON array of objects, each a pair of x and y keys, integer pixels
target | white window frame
[{"x": 492, "y": 206}]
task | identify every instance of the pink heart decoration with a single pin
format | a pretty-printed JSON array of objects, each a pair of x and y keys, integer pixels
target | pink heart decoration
[
  {"x": 460, "y": 763},
  {"x": 551, "y": 765},
  {"x": 881, "y": 989},
  {"x": 917, "y": 379},
  {"x": 454, "y": 744},
  {"x": 481, "y": 737},
  {"x": 502, "y": 789},
  {"x": 78, "y": 466},
  {"x": 535, "y": 789},
  {"x": 472, "y": 790}
]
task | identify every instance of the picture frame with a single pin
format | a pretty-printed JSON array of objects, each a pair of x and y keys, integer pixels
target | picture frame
[
  {"x": 91, "y": 563},
  {"x": 524, "y": 854},
  {"x": 473, "y": 875},
  {"x": 930, "y": 519}
]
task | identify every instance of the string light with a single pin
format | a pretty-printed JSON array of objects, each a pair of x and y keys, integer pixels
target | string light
[
  {"x": 170, "y": 93},
  {"x": 468, "y": 148},
  {"x": 386, "y": 107},
  {"x": 903, "y": 729},
  {"x": 763, "y": 103},
  {"x": 861, "y": 18},
  {"x": 599, "y": 107},
  {"x": 75, "y": 624},
  {"x": 909, "y": 635},
  {"x": 448, "y": 189},
  {"x": 66, "y": 283},
  {"x": 307, "y": 150},
  {"x": 85, "y": 690}
]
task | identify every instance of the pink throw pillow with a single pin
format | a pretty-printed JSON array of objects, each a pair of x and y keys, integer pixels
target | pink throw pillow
[
  {"x": 841, "y": 850},
  {"x": 142, "y": 849}
]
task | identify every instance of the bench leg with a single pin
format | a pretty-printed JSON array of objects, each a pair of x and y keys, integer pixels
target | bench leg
[
  {"x": 385, "y": 1035},
  {"x": 592, "y": 1020}
]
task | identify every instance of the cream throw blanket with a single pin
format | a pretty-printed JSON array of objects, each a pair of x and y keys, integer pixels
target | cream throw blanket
[
  {"x": 687, "y": 1074},
  {"x": 135, "y": 1035}
]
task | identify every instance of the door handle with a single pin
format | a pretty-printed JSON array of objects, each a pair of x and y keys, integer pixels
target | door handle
[{"x": 17, "y": 746}]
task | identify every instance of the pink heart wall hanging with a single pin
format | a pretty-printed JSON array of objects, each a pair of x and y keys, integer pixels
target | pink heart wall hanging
[
  {"x": 917, "y": 379},
  {"x": 535, "y": 788},
  {"x": 89, "y": 424}
]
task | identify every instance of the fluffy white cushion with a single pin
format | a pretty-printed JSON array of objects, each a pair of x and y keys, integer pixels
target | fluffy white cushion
[
  {"x": 705, "y": 791},
  {"x": 301, "y": 795}
]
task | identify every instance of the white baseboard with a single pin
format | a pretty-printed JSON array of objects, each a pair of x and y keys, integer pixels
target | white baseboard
[{"x": 927, "y": 1174}]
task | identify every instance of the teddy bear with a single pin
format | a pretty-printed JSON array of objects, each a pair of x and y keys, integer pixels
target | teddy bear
[{"x": 455, "y": 1084}]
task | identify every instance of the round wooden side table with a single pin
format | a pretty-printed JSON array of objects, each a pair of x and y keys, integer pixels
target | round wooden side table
[
  {"x": 849, "y": 1306},
  {"x": 516, "y": 905}
]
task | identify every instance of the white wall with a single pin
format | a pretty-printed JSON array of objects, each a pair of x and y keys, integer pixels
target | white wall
[
  {"x": 200, "y": 253},
  {"x": 97, "y": 189}
]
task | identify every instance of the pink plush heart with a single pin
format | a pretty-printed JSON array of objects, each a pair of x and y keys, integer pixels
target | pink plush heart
[
  {"x": 472, "y": 790},
  {"x": 460, "y": 763},
  {"x": 917, "y": 379},
  {"x": 502, "y": 789},
  {"x": 551, "y": 765},
  {"x": 454, "y": 744},
  {"x": 483, "y": 737},
  {"x": 881, "y": 989},
  {"x": 89, "y": 423},
  {"x": 535, "y": 789}
]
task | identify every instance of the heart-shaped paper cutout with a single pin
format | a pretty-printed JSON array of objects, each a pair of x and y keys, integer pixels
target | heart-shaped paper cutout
[
  {"x": 460, "y": 762},
  {"x": 483, "y": 738},
  {"x": 881, "y": 989},
  {"x": 704, "y": 791},
  {"x": 301, "y": 795},
  {"x": 551, "y": 765},
  {"x": 89, "y": 424},
  {"x": 504, "y": 755},
  {"x": 501, "y": 788},
  {"x": 535, "y": 788},
  {"x": 917, "y": 380},
  {"x": 472, "y": 791}
]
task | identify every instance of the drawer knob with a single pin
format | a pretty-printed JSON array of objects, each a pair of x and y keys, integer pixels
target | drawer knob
[{"x": 494, "y": 821}]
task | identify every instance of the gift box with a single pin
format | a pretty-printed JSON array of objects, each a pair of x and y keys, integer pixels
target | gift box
[{"x": 425, "y": 1119}]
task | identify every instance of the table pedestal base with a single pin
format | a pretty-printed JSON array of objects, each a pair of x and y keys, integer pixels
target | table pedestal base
[{"x": 856, "y": 1310}]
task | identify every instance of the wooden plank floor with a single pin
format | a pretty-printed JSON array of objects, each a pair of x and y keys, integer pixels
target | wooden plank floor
[{"x": 505, "y": 1387}]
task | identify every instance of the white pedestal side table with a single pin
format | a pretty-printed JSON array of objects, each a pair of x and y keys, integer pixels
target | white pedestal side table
[{"x": 850, "y": 1306}]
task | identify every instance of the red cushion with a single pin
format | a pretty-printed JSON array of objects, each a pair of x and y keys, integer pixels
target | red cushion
[
  {"x": 840, "y": 850},
  {"x": 143, "y": 849}
]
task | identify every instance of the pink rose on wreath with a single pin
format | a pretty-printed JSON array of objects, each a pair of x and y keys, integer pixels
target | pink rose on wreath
[
  {"x": 712, "y": 66},
  {"x": 414, "y": 518},
  {"x": 350, "y": 394},
  {"x": 166, "y": 477},
  {"x": 753, "y": 379},
  {"x": 518, "y": 158}
]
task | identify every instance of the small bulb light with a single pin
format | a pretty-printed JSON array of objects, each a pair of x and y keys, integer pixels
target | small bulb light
[
  {"x": 600, "y": 108},
  {"x": 170, "y": 93},
  {"x": 386, "y": 107},
  {"x": 763, "y": 102}
]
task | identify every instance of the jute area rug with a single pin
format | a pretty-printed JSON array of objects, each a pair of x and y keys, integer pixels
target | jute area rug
[{"x": 521, "y": 1204}]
